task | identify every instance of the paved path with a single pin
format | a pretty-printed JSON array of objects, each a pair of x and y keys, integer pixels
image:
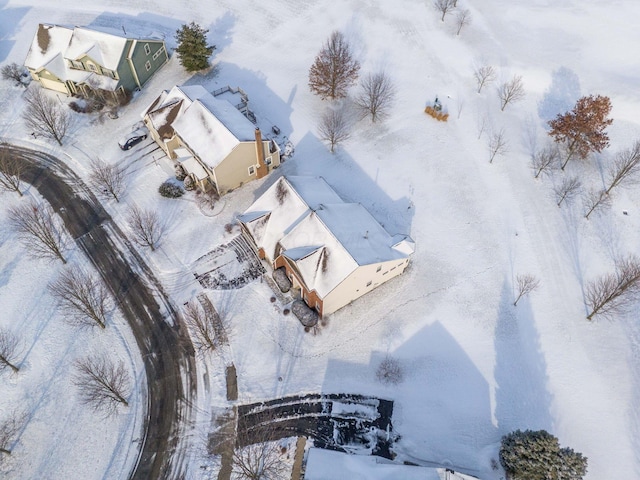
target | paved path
[{"x": 163, "y": 342}]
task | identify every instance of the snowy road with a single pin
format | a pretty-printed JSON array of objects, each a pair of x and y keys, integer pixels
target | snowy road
[{"x": 165, "y": 346}]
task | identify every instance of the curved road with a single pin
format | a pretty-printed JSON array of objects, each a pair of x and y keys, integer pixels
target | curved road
[{"x": 162, "y": 340}]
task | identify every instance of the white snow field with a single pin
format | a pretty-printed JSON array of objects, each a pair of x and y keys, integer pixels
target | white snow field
[{"x": 476, "y": 367}]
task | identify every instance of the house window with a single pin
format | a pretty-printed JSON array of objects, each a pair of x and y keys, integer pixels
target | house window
[
  {"x": 158, "y": 53},
  {"x": 147, "y": 66},
  {"x": 76, "y": 64},
  {"x": 268, "y": 161},
  {"x": 147, "y": 48},
  {"x": 369, "y": 283},
  {"x": 92, "y": 67},
  {"x": 379, "y": 268},
  {"x": 252, "y": 170}
]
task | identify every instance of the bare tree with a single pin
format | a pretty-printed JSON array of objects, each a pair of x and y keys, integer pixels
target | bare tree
[
  {"x": 511, "y": 91},
  {"x": 525, "y": 284},
  {"x": 108, "y": 179},
  {"x": 444, "y": 7},
  {"x": 102, "y": 384},
  {"x": 484, "y": 75},
  {"x": 11, "y": 169},
  {"x": 9, "y": 429},
  {"x": 39, "y": 230},
  {"x": 482, "y": 122},
  {"x": 463, "y": 18},
  {"x": 595, "y": 200},
  {"x": 334, "y": 69},
  {"x": 376, "y": 95},
  {"x": 257, "y": 456},
  {"x": 545, "y": 161},
  {"x": 614, "y": 293},
  {"x": 567, "y": 189},
  {"x": 15, "y": 72},
  {"x": 497, "y": 144},
  {"x": 390, "y": 371},
  {"x": 582, "y": 130},
  {"x": 45, "y": 116},
  {"x": 201, "y": 326},
  {"x": 9, "y": 346},
  {"x": 334, "y": 127},
  {"x": 148, "y": 228},
  {"x": 83, "y": 297},
  {"x": 625, "y": 168}
]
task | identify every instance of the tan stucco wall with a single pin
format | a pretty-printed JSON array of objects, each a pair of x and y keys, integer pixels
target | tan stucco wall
[{"x": 355, "y": 285}]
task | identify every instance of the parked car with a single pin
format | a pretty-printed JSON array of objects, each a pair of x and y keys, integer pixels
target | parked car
[{"x": 132, "y": 139}]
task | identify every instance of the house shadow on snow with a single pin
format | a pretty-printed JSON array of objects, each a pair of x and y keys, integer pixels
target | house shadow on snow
[
  {"x": 142, "y": 25},
  {"x": 522, "y": 398},
  {"x": 442, "y": 407},
  {"x": 11, "y": 21}
]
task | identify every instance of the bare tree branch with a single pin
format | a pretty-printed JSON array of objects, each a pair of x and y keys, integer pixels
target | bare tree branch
[
  {"x": 83, "y": 297},
  {"x": 334, "y": 127},
  {"x": 9, "y": 429},
  {"x": 444, "y": 7},
  {"x": 497, "y": 144},
  {"x": 568, "y": 188},
  {"x": 463, "y": 18},
  {"x": 376, "y": 95},
  {"x": 45, "y": 116},
  {"x": 9, "y": 350},
  {"x": 15, "y": 72},
  {"x": 545, "y": 161},
  {"x": 625, "y": 168},
  {"x": 484, "y": 75},
  {"x": 334, "y": 69},
  {"x": 390, "y": 371},
  {"x": 102, "y": 383},
  {"x": 108, "y": 179},
  {"x": 11, "y": 168},
  {"x": 595, "y": 200},
  {"x": 201, "y": 326},
  {"x": 613, "y": 294},
  {"x": 39, "y": 230},
  {"x": 511, "y": 91},
  {"x": 525, "y": 284},
  {"x": 148, "y": 228}
]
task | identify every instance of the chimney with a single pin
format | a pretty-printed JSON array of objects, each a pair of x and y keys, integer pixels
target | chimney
[{"x": 262, "y": 169}]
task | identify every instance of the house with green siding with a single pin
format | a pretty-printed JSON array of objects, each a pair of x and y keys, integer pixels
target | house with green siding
[{"x": 83, "y": 61}]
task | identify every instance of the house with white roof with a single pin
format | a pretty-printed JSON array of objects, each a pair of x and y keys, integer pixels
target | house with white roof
[
  {"x": 333, "y": 251},
  {"x": 211, "y": 140},
  {"x": 84, "y": 61}
]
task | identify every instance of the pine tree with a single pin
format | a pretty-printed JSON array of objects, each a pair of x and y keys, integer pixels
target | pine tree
[
  {"x": 334, "y": 69},
  {"x": 192, "y": 47},
  {"x": 536, "y": 455},
  {"x": 582, "y": 130}
]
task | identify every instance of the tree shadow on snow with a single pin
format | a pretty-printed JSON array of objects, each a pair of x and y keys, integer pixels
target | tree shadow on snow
[{"x": 561, "y": 95}]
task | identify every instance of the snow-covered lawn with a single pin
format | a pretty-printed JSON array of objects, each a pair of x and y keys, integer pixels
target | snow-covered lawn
[{"x": 476, "y": 367}]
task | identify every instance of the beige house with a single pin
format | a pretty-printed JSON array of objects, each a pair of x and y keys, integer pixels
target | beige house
[
  {"x": 213, "y": 142},
  {"x": 333, "y": 251},
  {"x": 84, "y": 61}
]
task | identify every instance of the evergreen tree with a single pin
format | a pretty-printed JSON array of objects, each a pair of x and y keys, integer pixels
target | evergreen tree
[
  {"x": 192, "y": 47},
  {"x": 536, "y": 455}
]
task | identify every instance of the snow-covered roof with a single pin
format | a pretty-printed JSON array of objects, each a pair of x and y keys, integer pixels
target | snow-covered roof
[
  {"x": 331, "y": 465},
  {"x": 190, "y": 164},
  {"x": 49, "y": 41},
  {"x": 211, "y": 128},
  {"x": 325, "y": 237},
  {"x": 104, "y": 48}
]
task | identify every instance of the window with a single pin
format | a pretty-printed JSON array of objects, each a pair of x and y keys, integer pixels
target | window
[
  {"x": 147, "y": 48},
  {"x": 393, "y": 268},
  {"x": 158, "y": 53},
  {"x": 76, "y": 64},
  {"x": 379, "y": 268},
  {"x": 252, "y": 170},
  {"x": 369, "y": 283},
  {"x": 147, "y": 66},
  {"x": 268, "y": 161},
  {"x": 92, "y": 67}
]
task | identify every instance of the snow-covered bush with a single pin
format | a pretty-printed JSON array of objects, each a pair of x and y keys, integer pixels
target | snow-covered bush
[
  {"x": 169, "y": 189},
  {"x": 390, "y": 371}
]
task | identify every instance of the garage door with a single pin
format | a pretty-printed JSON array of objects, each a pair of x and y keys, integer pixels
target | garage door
[{"x": 54, "y": 85}]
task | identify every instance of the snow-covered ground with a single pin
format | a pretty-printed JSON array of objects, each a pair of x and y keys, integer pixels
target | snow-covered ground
[{"x": 476, "y": 367}]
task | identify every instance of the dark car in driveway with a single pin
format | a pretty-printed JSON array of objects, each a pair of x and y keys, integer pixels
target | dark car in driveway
[{"x": 132, "y": 139}]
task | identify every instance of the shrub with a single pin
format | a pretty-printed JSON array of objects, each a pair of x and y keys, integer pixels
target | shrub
[
  {"x": 286, "y": 311},
  {"x": 390, "y": 371},
  {"x": 228, "y": 227},
  {"x": 169, "y": 189}
]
